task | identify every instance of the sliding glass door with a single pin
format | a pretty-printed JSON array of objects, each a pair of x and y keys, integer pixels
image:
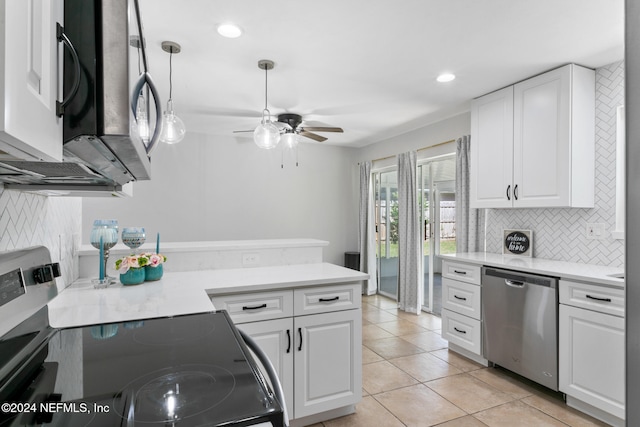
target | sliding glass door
[
  {"x": 386, "y": 211},
  {"x": 436, "y": 186}
]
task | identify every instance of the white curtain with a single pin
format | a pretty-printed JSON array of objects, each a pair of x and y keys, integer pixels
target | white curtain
[
  {"x": 469, "y": 222},
  {"x": 410, "y": 277},
  {"x": 366, "y": 232}
]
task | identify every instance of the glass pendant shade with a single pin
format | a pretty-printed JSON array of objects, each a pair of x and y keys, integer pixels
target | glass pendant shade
[
  {"x": 290, "y": 140},
  {"x": 173, "y": 129},
  {"x": 266, "y": 135},
  {"x": 142, "y": 119}
]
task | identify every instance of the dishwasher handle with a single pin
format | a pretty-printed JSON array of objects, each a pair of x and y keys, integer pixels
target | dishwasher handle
[
  {"x": 518, "y": 279},
  {"x": 514, "y": 283}
]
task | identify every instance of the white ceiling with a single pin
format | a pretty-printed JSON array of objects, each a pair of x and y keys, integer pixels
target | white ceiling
[{"x": 368, "y": 66}]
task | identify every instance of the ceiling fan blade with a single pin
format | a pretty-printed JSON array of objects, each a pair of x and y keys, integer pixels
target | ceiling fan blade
[
  {"x": 322, "y": 129},
  {"x": 313, "y": 136},
  {"x": 240, "y": 131}
]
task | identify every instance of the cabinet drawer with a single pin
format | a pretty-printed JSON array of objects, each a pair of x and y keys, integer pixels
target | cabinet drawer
[
  {"x": 592, "y": 297},
  {"x": 324, "y": 299},
  {"x": 460, "y": 271},
  {"x": 461, "y": 297},
  {"x": 257, "y": 306},
  {"x": 462, "y": 331}
]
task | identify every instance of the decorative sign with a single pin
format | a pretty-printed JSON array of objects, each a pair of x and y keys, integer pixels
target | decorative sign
[{"x": 517, "y": 242}]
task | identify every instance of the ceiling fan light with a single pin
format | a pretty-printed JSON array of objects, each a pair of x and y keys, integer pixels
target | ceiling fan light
[
  {"x": 230, "y": 31},
  {"x": 290, "y": 140},
  {"x": 266, "y": 135}
]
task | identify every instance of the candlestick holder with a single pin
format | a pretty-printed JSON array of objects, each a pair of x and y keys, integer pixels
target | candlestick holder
[{"x": 105, "y": 231}]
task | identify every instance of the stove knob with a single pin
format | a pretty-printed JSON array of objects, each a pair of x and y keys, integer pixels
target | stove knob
[
  {"x": 46, "y": 273},
  {"x": 55, "y": 268}
]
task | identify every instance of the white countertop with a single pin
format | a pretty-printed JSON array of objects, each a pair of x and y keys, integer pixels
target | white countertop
[
  {"x": 596, "y": 274},
  {"x": 180, "y": 293}
]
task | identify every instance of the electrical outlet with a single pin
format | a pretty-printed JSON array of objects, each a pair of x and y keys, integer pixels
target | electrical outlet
[
  {"x": 595, "y": 231},
  {"x": 250, "y": 259}
]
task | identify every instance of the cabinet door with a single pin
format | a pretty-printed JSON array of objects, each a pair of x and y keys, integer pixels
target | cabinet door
[
  {"x": 542, "y": 140},
  {"x": 492, "y": 150},
  {"x": 29, "y": 86},
  {"x": 275, "y": 338},
  {"x": 591, "y": 359},
  {"x": 328, "y": 361}
]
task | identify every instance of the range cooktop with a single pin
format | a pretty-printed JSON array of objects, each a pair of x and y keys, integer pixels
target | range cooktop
[{"x": 191, "y": 370}]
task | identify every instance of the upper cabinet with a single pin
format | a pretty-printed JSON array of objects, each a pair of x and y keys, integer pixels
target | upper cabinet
[
  {"x": 532, "y": 144},
  {"x": 29, "y": 127}
]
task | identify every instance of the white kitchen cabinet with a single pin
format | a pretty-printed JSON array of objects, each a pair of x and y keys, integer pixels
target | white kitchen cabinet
[
  {"x": 548, "y": 159},
  {"x": 29, "y": 79},
  {"x": 591, "y": 351},
  {"x": 313, "y": 337},
  {"x": 461, "y": 309},
  {"x": 491, "y": 148},
  {"x": 275, "y": 338},
  {"x": 328, "y": 361}
]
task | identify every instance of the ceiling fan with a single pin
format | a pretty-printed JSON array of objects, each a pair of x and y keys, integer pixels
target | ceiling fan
[
  {"x": 287, "y": 125},
  {"x": 291, "y": 123}
]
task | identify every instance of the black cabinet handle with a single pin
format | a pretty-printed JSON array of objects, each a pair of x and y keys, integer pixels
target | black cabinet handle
[
  {"x": 515, "y": 192},
  {"x": 329, "y": 299},
  {"x": 459, "y": 330},
  {"x": 509, "y": 192},
  {"x": 459, "y": 272},
  {"x": 599, "y": 299},
  {"x": 288, "y": 341},
  {"x": 460, "y": 298},
  {"x": 300, "y": 334},
  {"x": 255, "y": 307}
]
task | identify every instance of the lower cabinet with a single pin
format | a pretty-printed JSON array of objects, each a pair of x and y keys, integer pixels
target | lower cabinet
[
  {"x": 461, "y": 309},
  {"x": 318, "y": 357},
  {"x": 591, "y": 352},
  {"x": 327, "y": 362},
  {"x": 275, "y": 338}
]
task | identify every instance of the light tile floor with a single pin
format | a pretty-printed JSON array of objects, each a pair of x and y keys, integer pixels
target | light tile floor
[{"x": 411, "y": 379}]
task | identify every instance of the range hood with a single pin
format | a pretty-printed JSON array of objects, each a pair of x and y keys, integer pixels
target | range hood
[{"x": 105, "y": 70}]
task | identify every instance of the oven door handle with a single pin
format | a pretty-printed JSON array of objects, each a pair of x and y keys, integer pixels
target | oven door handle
[{"x": 271, "y": 372}]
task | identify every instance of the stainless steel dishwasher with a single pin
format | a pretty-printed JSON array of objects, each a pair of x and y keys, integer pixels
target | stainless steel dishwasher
[{"x": 520, "y": 323}]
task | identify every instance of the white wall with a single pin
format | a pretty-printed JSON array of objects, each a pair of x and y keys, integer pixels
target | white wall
[{"x": 215, "y": 188}]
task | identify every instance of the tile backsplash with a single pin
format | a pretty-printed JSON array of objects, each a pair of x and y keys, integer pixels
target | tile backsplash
[
  {"x": 54, "y": 222},
  {"x": 560, "y": 234}
]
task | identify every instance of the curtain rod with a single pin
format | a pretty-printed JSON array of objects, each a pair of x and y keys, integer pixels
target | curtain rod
[{"x": 419, "y": 149}]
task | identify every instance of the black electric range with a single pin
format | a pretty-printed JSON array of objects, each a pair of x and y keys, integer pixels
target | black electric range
[{"x": 191, "y": 370}]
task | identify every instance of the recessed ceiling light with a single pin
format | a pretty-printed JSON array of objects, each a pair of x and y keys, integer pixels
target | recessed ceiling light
[
  {"x": 231, "y": 31},
  {"x": 446, "y": 77}
]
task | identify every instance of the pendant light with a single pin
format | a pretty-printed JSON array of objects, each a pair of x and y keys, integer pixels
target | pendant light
[
  {"x": 266, "y": 135},
  {"x": 172, "y": 127}
]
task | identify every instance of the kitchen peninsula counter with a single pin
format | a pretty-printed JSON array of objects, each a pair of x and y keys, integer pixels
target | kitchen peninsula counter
[{"x": 187, "y": 292}]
